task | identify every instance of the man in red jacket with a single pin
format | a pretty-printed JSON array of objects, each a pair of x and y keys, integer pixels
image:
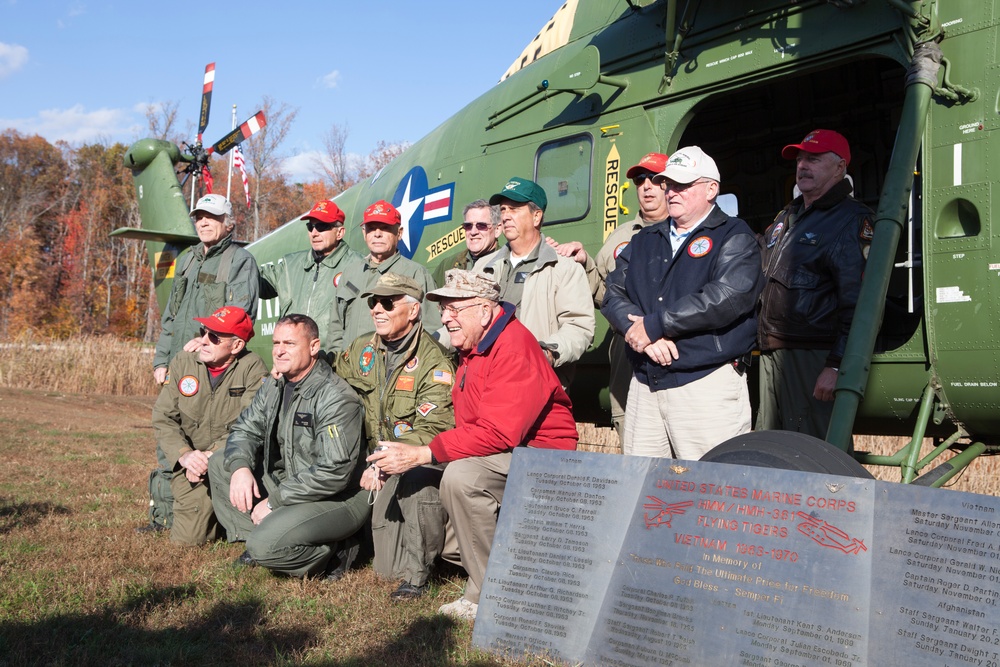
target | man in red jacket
[{"x": 506, "y": 395}]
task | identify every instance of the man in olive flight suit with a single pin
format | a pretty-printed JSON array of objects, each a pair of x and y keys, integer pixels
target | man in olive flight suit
[{"x": 404, "y": 379}]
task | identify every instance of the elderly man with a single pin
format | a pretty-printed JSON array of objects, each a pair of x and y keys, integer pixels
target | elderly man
[
  {"x": 191, "y": 418},
  {"x": 289, "y": 482},
  {"x": 814, "y": 254},
  {"x": 306, "y": 281},
  {"x": 213, "y": 274},
  {"x": 506, "y": 395},
  {"x": 404, "y": 379},
  {"x": 652, "y": 195},
  {"x": 481, "y": 223},
  {"x": 350, "y": 316},
  {"x": 683, "y": 294},
  {"x": 549, "y": 292}
]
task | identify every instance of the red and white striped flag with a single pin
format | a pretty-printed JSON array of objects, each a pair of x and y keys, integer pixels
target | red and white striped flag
[{"x": 239, "y": 164}]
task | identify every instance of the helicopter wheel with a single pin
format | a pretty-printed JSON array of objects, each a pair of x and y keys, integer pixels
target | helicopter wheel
[{"x": 786, "y": 450}]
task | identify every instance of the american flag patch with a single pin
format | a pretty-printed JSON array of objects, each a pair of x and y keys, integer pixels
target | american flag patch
[{"x": 444, "y": 377}]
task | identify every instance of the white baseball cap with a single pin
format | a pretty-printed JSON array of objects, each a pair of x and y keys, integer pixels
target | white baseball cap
[
  {"x": 214, "y": 204},
  {"x": 687, "y": 165}
]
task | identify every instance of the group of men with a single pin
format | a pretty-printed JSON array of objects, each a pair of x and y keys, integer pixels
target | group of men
[{"x": 365, "y": 415}]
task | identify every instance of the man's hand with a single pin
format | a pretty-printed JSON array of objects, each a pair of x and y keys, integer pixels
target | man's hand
[
  {"x": 259, "y": 512},
  {"x": 398, "y": 457},
  {"x": 572, "y": 249},
  {"x": 373, "y": 479},
  {"x": 636, "y": 335},
  {"x": 160, "y": 375},
  {"x": 662, "y": 351},
  {"x": 825, "y": 384},
  {"x": 243, "y": 489},
  {"x": 195, "y": 464},
  {"x": 192, "y": 345}
]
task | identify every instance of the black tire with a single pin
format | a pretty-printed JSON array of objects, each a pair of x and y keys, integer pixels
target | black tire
[{"x": 786, "y": 450}]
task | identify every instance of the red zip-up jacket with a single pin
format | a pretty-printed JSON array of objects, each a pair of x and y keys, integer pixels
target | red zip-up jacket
[{"x": 506, "y": 395}]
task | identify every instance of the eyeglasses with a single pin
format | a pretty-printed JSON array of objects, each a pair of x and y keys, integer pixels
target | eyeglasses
[
  {"x": 213, "y": 338},
  {"x": 322, "y": 226},
  {"x": 455, "y": 310},
  {"x": 641, "y": 178},
  {"x": 387, "y": 302},
  {"x": 683, "y": 187},
  {"x": 480, "y": 226}
]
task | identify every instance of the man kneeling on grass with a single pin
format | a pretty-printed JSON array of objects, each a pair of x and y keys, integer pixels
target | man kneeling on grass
[
  {"x": 288, "y": 484},
  {"x": 506, "y": 395}
]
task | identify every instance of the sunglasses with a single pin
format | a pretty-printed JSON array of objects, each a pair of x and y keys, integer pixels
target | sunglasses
[
  {"x": 321, "y": 226},
  {"x": 639, "y": 179},
  {"x": 213, "y": 337},
  {"x": 480, "y": 226},
  {"x": 387, "y": 302}
]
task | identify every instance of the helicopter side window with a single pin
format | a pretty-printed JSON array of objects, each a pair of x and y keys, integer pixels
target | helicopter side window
[{"x": 563, "y": 168}]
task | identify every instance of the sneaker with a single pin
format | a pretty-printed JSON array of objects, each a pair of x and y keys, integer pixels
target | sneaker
[
  {"x": 150, "y": 528},
  {"x": 460, "y": 609},
  {"x": 245, "y": 559},
  {"x": 407, "y": 591}
]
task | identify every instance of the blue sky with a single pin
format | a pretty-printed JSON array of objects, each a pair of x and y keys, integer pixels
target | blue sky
[{"x": 390, "y": 69}]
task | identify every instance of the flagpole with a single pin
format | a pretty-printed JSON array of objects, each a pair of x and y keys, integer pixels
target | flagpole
[{"x": 229, "y": 181}]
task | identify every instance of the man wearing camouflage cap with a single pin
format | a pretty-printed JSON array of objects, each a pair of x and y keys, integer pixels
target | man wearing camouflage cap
[
  {"x": 506, "y": 395},
  {"x": 404, "y": 379},
  {"x": 550, "y": 293},
  {"x": 350, "y": 317}
]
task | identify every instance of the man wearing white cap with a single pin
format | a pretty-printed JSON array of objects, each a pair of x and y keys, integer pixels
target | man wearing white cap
[
  {"x": 683, "y": 294},
  {"x": 212, "y": 274}
]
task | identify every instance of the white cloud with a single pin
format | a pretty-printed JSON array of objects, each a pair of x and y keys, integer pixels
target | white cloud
[
  {"x": 12, "y": 58},
  {"x": 76, "y": 125},
  {"x": 331, "y": 80}
]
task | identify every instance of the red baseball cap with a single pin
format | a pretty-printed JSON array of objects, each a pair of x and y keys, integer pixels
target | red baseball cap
[
  {"x": 654, "y": 163},
  {"x": 325, "y": 211},
  {"x": 820, "y": 141},
  {"x": 381, "y": 211},
  {"x": 229, "y": 320}
]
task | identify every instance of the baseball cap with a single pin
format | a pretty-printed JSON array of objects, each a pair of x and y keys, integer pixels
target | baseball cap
[
  {"x": 325, "y": 211},
  {"x": 381, "y": 211},
  {"x": 651, "y": 162},
  {"x": 687, "y": 165},
  {"x": 521, "y": 190},
  {"x": 820, "y": 141},
  {"x": 393, "y": 284},
  {"x": 462, "y": 284},
  {"x": 214, "y": 204},
  {"x": 229, "y": 320}
]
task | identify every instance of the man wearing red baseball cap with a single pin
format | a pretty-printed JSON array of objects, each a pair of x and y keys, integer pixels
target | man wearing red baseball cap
[
  {"x": 351, "y": 317},
  {"x": 205, "y": 393},
  {"x": 814, "y": 255},
  {"x": 306, "y": 281},
  {"x": 652, "y": 209}
]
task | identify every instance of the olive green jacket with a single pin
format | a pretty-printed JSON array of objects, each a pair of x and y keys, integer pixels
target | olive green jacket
[
  {"x": 412, "y": 404},
  {"x": 306, "y": 286},
  {"x": 196, "y": 293},
  {"x": 190, "y": 415},
  {"x": 314, "y": 452}
]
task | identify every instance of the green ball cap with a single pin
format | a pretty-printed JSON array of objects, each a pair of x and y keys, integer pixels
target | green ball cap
[{"x": 521, "y": 190}]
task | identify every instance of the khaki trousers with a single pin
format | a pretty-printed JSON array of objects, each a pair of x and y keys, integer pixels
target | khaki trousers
[
  {"x": 787, "y": 380},
  {"x": 408, "y": 525},
  {"x": 194, "y": 519}
]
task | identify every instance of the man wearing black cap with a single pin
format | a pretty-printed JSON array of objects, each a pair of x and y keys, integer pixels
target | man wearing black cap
[
  {"x": 814, "y": 255},
  {"x": 550, "y": 293},
  {"x": 306, "y": 281}
]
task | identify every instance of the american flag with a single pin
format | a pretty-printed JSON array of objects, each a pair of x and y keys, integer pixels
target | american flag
[{"x": 240, "y": 165}]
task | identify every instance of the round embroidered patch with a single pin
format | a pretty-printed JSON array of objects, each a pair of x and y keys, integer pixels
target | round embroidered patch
[
  {"x": 700, "y": 246},
  {"x": 411, "y": 365},
  {"x": 618, "y": 248},
  {"x": 367, "y": 360},
  {"x": 775, "y": 233},
  {"x": 188, "y": 386},
  {"x": 336, "y": 279},
  {"x": 399, "y": 428}
]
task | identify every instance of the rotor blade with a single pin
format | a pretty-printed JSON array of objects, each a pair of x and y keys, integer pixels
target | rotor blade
[
  {"x": 206, "y": 98},
  {"x": 247, "y": 129}
]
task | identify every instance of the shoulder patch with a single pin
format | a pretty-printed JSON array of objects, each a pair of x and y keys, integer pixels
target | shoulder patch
[
  {"x": 425, "y": 409},
  {"x": 618, "y": 248},
  {"x": 867, "y": 231},
  {"x": 700, "y": 247},
  {"x": 442, "y": 377},
  {"x": 367, "y": 359},
  {"x": 188, "y": 385},
  {"x": 336, "y": 279}
]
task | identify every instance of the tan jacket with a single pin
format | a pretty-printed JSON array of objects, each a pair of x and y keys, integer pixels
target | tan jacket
[{"x": 598, "y": 268}]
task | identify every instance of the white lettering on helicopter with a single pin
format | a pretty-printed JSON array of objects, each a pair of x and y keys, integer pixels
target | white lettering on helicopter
[
  {"x": 950, "y": 23},
  {"x": 969, "y": 128},
  {"x": 951, "y": 295},
  {"x": 727, "y": 59}
]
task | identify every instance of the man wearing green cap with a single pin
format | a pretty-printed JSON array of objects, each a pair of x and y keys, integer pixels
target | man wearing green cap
[
  {"x": 551, "y": 293},
  {"x": 404, "y": 379}
]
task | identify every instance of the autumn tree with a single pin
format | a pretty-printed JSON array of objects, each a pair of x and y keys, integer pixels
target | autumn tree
[{"x": 263, "y": 155}]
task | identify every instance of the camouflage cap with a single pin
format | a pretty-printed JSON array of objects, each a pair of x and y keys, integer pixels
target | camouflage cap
[
  {"x": 393, "y": 284},
  {"x": 462, "y": 284}
]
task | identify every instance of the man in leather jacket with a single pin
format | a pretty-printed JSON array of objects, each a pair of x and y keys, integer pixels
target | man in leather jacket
[
  {"x": 814, "y": 254},
  {"x": 683, "y": 294}
]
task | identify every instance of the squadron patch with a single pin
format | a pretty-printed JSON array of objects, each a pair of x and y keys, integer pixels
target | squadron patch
[
  {"x": 188, "y": 385},
  {"x": 236, "y": 392},
  {"x": 809, "y": 238},
  {"x": 336, "y": 279},
  {"x": 700, "y": 247},
  {"x": 411, "y": 365},
  {"x": 367, "y": 360},
  {"x": 618, "y": 248},
  {"x": 303, "y": 419},
  {"x": 775, "y": 233},
  {"x": 404, "y": 383},
  {"x": 867, "y": 232},
  {"x": 442, "y": 377},
  {"x": 401, "y": 427},
  {"x": 425, "y": 409}
]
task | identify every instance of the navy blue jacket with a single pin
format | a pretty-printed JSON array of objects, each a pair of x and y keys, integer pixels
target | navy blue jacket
[{"x": 703, "y": 298}]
